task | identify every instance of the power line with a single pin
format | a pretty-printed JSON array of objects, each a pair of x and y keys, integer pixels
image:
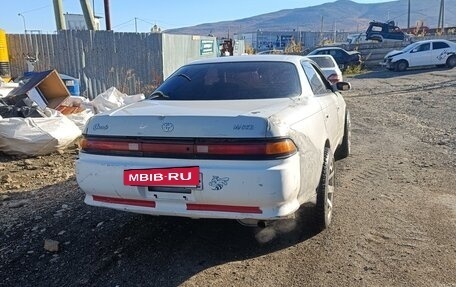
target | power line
[
  {"x": 124, "y": 23},
  {"x": 35, "y": 9},
  {"x": 135, "y": 20},
  {"x": 145, "y": 21}
]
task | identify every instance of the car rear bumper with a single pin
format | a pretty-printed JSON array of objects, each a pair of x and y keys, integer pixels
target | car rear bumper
[{"x": 261, "y": 189}]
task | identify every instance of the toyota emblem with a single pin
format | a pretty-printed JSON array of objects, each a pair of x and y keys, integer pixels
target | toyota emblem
[{"x": 167, "y": 127}]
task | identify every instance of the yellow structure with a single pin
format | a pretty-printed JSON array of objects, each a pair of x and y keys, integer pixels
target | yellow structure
[{"x": 5, "y": 69}]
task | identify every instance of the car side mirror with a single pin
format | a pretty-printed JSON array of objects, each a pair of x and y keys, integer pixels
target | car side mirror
[{"x": 343, "y": 86}]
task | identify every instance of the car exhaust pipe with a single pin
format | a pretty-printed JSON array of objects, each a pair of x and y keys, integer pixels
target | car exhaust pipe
[
  {"x": 253, "y": 223},
  {"x": 262, "y": 223}
]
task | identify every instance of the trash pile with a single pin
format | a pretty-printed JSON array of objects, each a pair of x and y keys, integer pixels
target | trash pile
[{"x": 38, "y": 115}]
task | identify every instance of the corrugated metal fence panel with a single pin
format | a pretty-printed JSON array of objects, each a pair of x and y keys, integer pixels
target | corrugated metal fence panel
[
  {"x": 182, "y": 49},
  {"x": 130, "y": 62},
  {"x": 239, "y": 47},
  {"x": 153, "y": 61}
]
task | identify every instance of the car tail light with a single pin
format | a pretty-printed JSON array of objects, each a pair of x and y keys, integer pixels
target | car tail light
[
  {"x": 333, "y": 78},
  {"x": 107, "y": 145},
  {"x": 199, "y": 148},
  {"x": 132, "y": 147},
  {"x": 254, "y": 148}
]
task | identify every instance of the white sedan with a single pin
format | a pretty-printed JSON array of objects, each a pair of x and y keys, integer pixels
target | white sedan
[
  {"x": 436, "y": 52},
  {"x": 250, "y": 138}
]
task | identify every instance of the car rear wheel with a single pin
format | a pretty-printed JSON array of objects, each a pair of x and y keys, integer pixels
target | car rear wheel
[
  {"x": 401, "y": 66},
  {"x": 376, "y": 38},
  {"x": 344, "y": 149},
  {"x": 451, "y": 62},
  {"x": 325, "y": 192}
]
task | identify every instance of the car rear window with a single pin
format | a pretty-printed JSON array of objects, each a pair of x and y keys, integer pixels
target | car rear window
[
  {"x": 231, "y": 81},
  {"x": 323, "y": 62},
  {"x": 440, "y": 45}
]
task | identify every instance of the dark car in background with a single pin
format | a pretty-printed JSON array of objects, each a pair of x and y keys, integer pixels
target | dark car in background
[
  {"x": 382, "y": 32},
  {"x": 343, "y": 57}
]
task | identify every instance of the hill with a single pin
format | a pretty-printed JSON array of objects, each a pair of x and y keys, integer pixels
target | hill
[{"x": 345, "y": 15}]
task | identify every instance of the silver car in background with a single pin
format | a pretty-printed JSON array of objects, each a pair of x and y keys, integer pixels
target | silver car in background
[{"x": 329, "y": 67}]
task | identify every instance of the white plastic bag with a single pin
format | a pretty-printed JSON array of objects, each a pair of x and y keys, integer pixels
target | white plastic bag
[
  {"x": 112, "y": 99},
  {"x": 133, "y": 98},
  {"x": 80, "y": 119},
  {"x": 36, "y": 136},
  {"x": 5, "y": 88}
]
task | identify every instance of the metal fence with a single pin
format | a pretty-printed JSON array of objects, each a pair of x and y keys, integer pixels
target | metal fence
[{"x": 131, "y": 62}]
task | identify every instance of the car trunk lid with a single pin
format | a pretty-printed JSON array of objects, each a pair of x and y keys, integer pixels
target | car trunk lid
[{"x": 188, "y": 119}]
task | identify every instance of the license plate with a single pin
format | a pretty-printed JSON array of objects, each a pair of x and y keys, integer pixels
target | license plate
[
  {"x": 177, "y": 189},
  {"x": 173, "y": 176}
]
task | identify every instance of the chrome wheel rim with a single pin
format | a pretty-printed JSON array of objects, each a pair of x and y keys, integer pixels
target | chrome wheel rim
[{"x": 330, "y": 191}]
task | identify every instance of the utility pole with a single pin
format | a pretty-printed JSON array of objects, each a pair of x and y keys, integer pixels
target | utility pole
[
  {"x": 88, "y": 14},
  {"x": 23, "y": 20},
  {"x": 441, "y": 25},
  {"x": 107, "y": 15},
  {"x": 408, "y": 18},
  {"x": 321, "y": 31},
  {"x": 58, "y": 13},
  {"x": 136, "y": 25}
]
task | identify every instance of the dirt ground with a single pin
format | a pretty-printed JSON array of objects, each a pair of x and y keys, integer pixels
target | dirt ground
[{"x": 394, "y": 220}]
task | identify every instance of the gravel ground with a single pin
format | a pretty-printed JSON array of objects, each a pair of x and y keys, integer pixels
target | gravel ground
[{"x": 394, "y": 219}]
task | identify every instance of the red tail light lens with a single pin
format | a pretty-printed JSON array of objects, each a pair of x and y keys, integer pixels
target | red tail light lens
[
  {"x": 274, "y": 148},
  {"x": 195, "y": 148},
  {"x": 86, "y": 144}
]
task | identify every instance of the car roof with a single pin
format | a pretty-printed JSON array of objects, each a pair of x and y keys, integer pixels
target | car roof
[
  {"x": 331, "y": 58},
  {"x": 320, "y": 56},
  {"x": 435, "y": 40},
  {"x": 274, "y": 52},
  {"x": 329, "y": 48},
  {"x": 252, "y": 58}
]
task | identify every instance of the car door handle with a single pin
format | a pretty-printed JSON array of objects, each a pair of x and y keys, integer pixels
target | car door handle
[{"x": 327, "y": 116}]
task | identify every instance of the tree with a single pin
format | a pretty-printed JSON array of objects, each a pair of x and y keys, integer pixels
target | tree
[{"x": 293, "y": 48}]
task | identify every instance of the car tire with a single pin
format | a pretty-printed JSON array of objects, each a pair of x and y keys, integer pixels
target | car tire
[
  {"x": 325, "y": 192},
  {"x": 401, "y": 66},
  {"x": 377, "y": 39},
  {"x": 344, "y": 149},
  {"x": 451, "y": 62}
]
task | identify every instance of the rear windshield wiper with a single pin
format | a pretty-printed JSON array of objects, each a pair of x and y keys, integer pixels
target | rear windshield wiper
[{"x": 157, "y": 95}]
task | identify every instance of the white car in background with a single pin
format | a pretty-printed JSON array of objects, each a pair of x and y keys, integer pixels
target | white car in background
[
  {"x": 329, "y": 67},
  {"x": 250, "y": 138},
  {"x": 422, "y": 53}
]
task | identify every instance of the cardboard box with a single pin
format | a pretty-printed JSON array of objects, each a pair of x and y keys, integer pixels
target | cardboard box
[{"x": 46, "y": 89}]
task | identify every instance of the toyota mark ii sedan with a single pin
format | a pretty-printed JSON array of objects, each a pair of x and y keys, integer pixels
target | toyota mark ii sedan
[{"x": 250, "y": 138}]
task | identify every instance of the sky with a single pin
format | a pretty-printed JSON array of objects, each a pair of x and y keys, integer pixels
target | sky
[{"x": 140, "y": 15}]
